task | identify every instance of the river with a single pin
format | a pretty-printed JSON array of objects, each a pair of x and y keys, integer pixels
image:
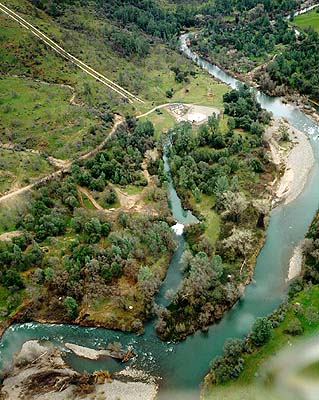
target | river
[{"x": 183, "y": 366}]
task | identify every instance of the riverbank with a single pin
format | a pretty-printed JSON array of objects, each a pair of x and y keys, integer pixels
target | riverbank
[
  {"x": 289, "y": 97},
  {"x": 263, "y": 366},
  {"x": 294, "y": 157},
  {"x": 295, "y": 264},
  {"x": 39, "y": 372},
  {"x": 296, "y": 160}
]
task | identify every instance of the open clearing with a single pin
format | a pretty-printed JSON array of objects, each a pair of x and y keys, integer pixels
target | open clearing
[
  {"x": 39, "y": 116},
  {"x": 192, "y": 113},
  {"x": 310, "y": 19}
]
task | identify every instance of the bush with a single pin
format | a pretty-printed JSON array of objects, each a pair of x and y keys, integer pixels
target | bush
[
  {"x": 225, "y": 368},
  {"x": 311, "y": 315},
  {"x": 261, "y": 331},
  {"x": 296, "y": 287},
  {"x": 169, "y": 93},
  {"x": 294, "y": 328},
  {"x": 230, "y": 365},
  {"x": 71, "y": 307},
  {"x": 234, "y": 347}
]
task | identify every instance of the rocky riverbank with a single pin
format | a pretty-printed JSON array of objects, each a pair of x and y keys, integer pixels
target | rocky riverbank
[{"x": 38, "y": 371}]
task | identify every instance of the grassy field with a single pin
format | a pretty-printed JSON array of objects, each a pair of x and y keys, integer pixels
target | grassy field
[
  {"x": 149, "y": 77},
  {"x": 247, "y": 386},
  {"x": 162, "y": 121},
  {"x": 310, "y": 19},
  {"x": 212, "y": 219},
  {"x": 19, "y": 168},
  {"x": 203, "y": 90},
  {"x": 36, "y": 115}
]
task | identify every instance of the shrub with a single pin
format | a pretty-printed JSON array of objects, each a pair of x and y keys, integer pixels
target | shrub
[
  {"x": 71, "y": 307},
  {"x": 294, "y": 328},
  {"x": 261, "y": 331},
  {"x": 225, "y": 368},
  {"x": 296, "y": 287}
]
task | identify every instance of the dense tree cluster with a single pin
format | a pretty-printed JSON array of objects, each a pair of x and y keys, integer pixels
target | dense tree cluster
[
  {"x": 16, "y": 256},
  {"x": 311, "y": 251},
  {"x": 120, "y": 162},
  {"x": 87, "y": 268},
  {"x": 131, "y": 18},
  {"x": 203, "y": 296},
  {"x": 296, "y": 67},
  {"x": 272, "y": 7},
  {"x": 128, "y": 43},
  {"x": 245, "y": 34},
  {"x": 77, "y": 254},
  {"x": 247, "y": 113},
  {"x": 216, "y": 161},
  {"x": 241, "y": 43},
  {"x": 230, "y": 365}
]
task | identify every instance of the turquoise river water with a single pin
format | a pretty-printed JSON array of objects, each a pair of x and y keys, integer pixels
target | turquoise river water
[{"x": 182, "y": 366}]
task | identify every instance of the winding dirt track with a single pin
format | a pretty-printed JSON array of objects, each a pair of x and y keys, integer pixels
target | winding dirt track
[
  {"x": 58, "y": 49},
  {"x": 154, "y": 109},
  {"x": 67, "y": 164}
]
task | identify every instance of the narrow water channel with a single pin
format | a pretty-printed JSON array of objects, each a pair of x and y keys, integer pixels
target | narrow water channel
[{"x": 183, "y": 365}]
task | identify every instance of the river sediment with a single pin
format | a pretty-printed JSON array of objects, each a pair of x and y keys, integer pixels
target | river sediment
[
  {"x": 183, "y": 366},
  {"x": 39, "y": 372},
  {"x": 294, "y": 157}
]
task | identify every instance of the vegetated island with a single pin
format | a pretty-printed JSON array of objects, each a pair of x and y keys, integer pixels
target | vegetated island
[
  {"x": 96, "y": 242},
  {"x": 91, "y": 245}
]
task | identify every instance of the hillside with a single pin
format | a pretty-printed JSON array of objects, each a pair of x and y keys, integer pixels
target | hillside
[{"x": 52, "y": 108}]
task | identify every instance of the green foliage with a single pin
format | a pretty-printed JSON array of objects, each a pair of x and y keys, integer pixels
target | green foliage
[
  {"x": 294, "y": 327},
  {"x": 295, "y": 67},
  {"x": 230, "y": 365},
  {"x": 128, "y": 43},
  {"x": 169, "y": 93},
  {"x": 247, "y": 113},
  {"x": 71, "y": 307},
  {"x": 296, "y": 286},
  {"x": 11, "y": 278},
  {"x": 250, "y": 34},
  {"x": 123, "y": 166},
  {"x": 261, "y": 331}
]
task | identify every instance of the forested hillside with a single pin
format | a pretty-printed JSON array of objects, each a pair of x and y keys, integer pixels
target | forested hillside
[
  {"x": 245, "y": 36},
  {"x": 148, "y": 16}
]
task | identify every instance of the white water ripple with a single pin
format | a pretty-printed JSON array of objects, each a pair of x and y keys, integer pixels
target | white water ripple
[{"x": 178, "y": 229}]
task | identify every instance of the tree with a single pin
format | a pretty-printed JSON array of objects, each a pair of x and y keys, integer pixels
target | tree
[
  {"x": 294, "y": 327},
  {"x": 239, "y": 243},
  {"x": 12, "y": 279},
  {"x": 261, "y": 331},
  {"x": 71, "y": 307},
  {"x": 169, "y": 93},
  {"x": 235, "y": 204},
  {"x": 234, "y": 347}
]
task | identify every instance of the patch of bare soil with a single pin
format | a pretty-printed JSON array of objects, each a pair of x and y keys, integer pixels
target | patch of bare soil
[
  {"x": 195, "y": 114},
  {"x": 9, "y": 235}
]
